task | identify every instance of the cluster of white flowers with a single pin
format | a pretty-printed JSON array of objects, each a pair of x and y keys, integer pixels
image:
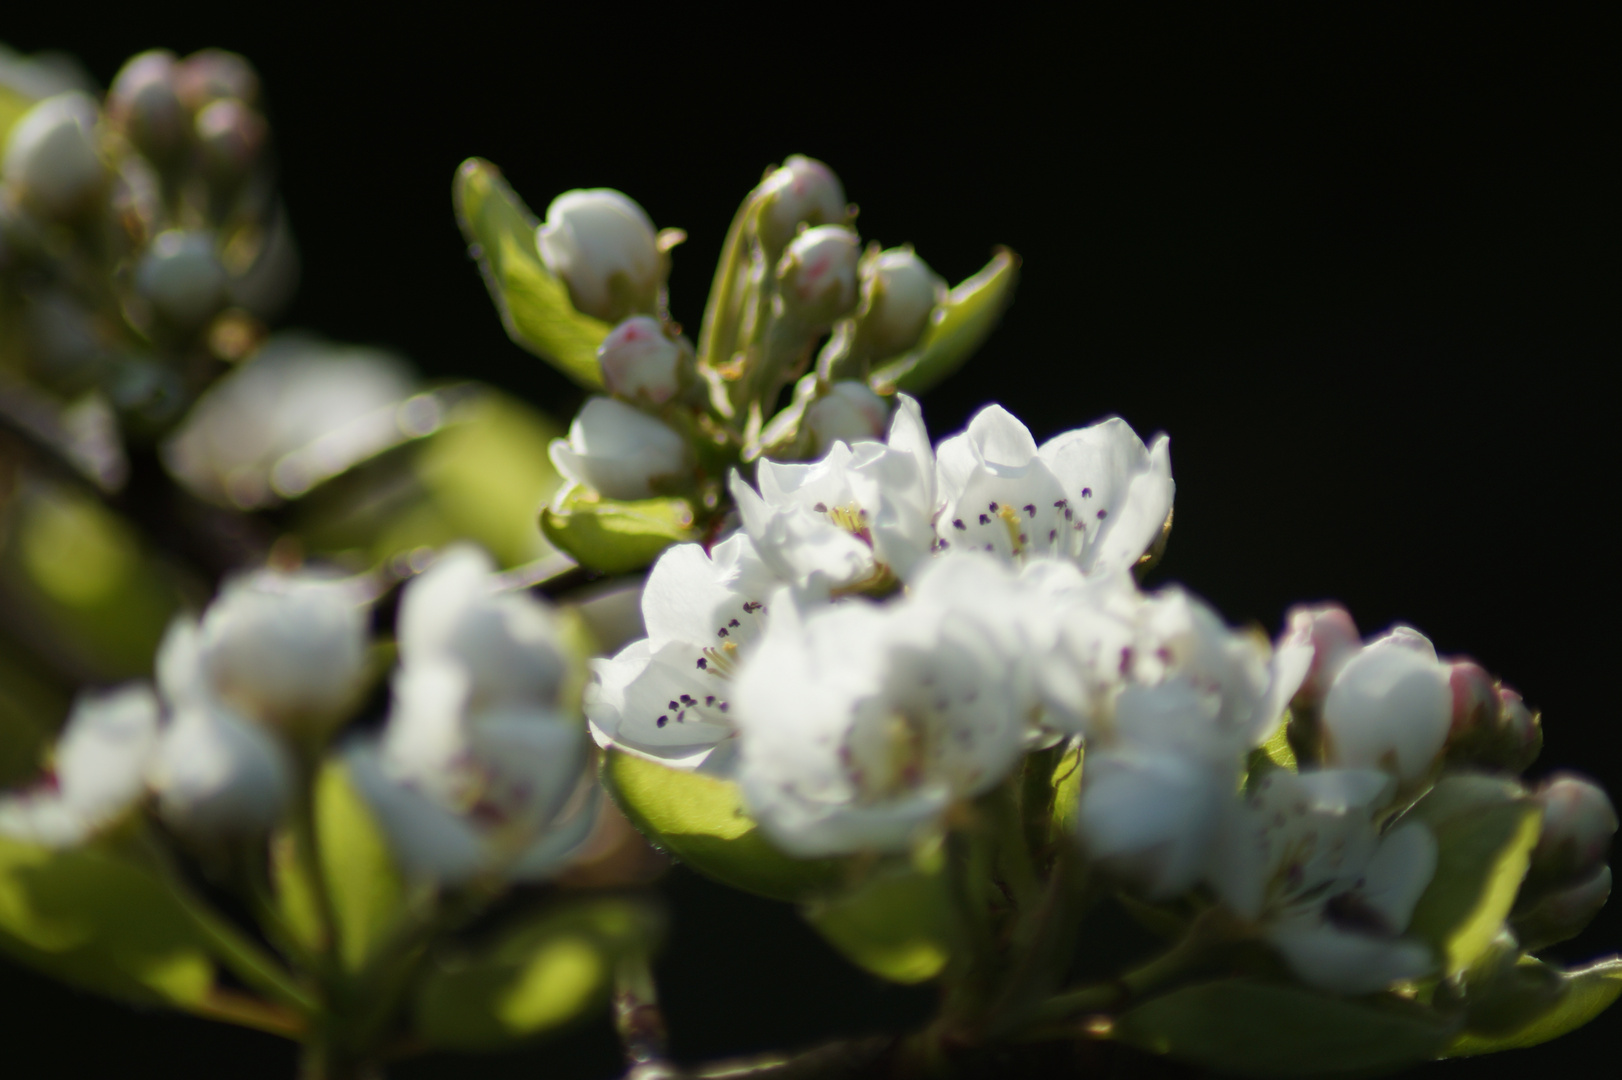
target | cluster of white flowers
[{"x": 480, "y": 767}]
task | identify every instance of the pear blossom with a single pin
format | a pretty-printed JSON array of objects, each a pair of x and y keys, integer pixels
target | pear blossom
[
  {"x": 1302, "y": 861},
  {"x": 801, "y": 190},
  {"x": 667, "y": 697},
  {"x": 51, "y": 159},
  {"x": 640, "y": 362},
  {"x": 816, "y": 276},
  {"x": 899, "y": 294},
  {"x": 619, "y": 451},
  {"x": 849, "y": 412},
  {"x": 1096, "y": 495},
  {"x": 856, "y": 519},
  {"x": 603, "y": 246},
  {"x": 860, "y": 723},
  {"x": 98, "y": 774},
  {"x": 1389, "y": 706}
]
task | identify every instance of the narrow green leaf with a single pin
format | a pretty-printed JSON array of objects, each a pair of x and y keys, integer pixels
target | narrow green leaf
[
  {"x": 531, "y": 978},
  {"x": 367, "y": 890},
  {"x": 701, "y": 820},
  {"x": 534, "y": 306},
  {"x": 1588, "y": 992},
  {"x": 899, "y": 925},
  {"x": 1251, "y": 1028},
  {"x": 100, "y": 922},
  {"x": 295, "y": 895},
  {"x": 1485, "y": 829},
  {"x": 960, "y": 326},
  {"x": 613, "y": 536}
]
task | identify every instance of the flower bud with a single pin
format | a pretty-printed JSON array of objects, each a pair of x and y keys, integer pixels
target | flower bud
[
  {"x": 848, "y": 412},
  {"x": 182, "y": 278},
  {"x": 1475, "y": 698},
  {"x": 1389, "y": 706},
  {"x": 618, "y": 451},
  {"x": 211, "y": 74},
  {"x": 145, "y": 103},
  {"x": 640, "y": 363},
  {"x": 1578, "y": 823},
  {"x": 1499, "y": 732},
  {"x": 1559, "y": 916},
  {"x": 1332, "y": 635},
  {"x": 218, "y": 776},
  {"x": 604, "y": 248},
  {"x": 899, "y": 293},
  {"x": 817, "y": 275},
  {"x": 802, "y": 190},
  {"x": 231, "y": 135},
  {"x": 51, "y": 157}
]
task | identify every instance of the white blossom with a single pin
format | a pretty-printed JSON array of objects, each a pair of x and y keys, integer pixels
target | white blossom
[
  {"x": 1095, "y": 495},
  {"x": 1389, "y": 706},
  {"x": 1302, "y": 860},
  {"x": 667, "y": 697},
  {"x": 593, "y": 236},
  {"x": 619, "y": 451},
  {"x": 99, "y": 770}
]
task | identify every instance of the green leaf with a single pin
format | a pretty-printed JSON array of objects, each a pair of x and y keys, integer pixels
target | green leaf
[
  {"x": 1275, "y": 753},
  {"x": 1253, "y": 1028},
  {"x": 100, "y": 922},
  {"x": 533, "y": 977},
  {"x": 899, "y": 925},
  {"x": 367, "y": 892},
  {"x": 613, "y": 536},
  {"x": 1587, "y": 992},
  {"x": 1485, "y": 829},
  {"x": 701, "y": 821},
  {"x": 535, "y": 306},
  {"x": 295, "y": 895},
  {"x": 960, "y": 326},
  {"x": 12, "y": 107}
]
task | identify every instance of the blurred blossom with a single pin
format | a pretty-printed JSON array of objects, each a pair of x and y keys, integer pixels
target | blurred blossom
[
  {"x": 181, "y": 276},
  {"x": 145, "y": 102},
  {"x": 52, "y": 160},
  {"x": 210, "y": 74},
  {"x": 620, "y": 452}
]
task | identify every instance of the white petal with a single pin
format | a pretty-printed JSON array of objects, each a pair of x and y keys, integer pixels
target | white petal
[
  {"x": 619, "y": 451},
  {"x": 1346, "y": 962},
  {"x": 218, "y": 775},
  {"x": 1389, "y": 705},
  {"x": 1152, "y": 817},
  {"x": 429, "y": 840},
  {"x": 558, "y": 844},
  {"x": 1399, "y": 873},
  {"x": 103, "y": 754},
  {"x": 659, "y": 704},
  {"x": 1288, "y": 670},
  {"x": 692, "y": 596}
]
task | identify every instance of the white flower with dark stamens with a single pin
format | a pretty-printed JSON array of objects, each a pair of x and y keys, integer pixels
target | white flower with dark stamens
[
  {"x": 1302, "y": 860},
  {"x": 639, "y": 362},
  {"x": 861, "y": 724},
  {"x": 857, "y": 519},
  {"x": 604, "y": 248},
  {"x": 668, "y": 696},
  {"x": 99, "y": 770},
  {"x": 619, "y": 451},
  {"x": 1389, "y": 706},
  {"x": 1096, "y": 495}
]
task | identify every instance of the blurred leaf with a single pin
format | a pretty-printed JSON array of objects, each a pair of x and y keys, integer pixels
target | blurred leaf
[
  {"x": 1261, "y": 1029},
  {"x": 959, "y": 327},
  {"x": 1485, "y": 829},
  {"x": 701, "y": 820},
  {"x": 533, "y": 977},
  {"x": 102, "y": 923},
  {"x": 367, "y": 891},
  {"x": 31, "y": 711},
  {"x": 534, "y": 306},
  {"x": 1588, "y": 992},
  {"x": 898, "y": 925},
  {"x": 295, "y": 896},
  {"x": 12, "y": 107},
  {"x": 1067, "y": 788},
  {"x": 613, "y": 536}
]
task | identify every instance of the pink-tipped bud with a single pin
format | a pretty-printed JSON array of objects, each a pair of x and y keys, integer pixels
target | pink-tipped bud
[
  {"x": 817, "y": 275},
  {"x": 232, "y": 136},
  {"x": 640, "y": 362},
  {"x": 145, "y": 104},
  {"x": 803, "y": 191},
  {"x": 211, "y": 74},
  {"x": 1475, "y": 697},
  {"x": 1578, "y": 823},
  {"x": 1329, "y": 630}
]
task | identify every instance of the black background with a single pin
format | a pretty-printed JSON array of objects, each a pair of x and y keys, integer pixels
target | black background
[{"x": 1362, "y": 269}]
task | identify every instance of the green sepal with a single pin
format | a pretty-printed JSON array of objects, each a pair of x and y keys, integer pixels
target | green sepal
[
  {"x": 368, "y": 892},
  {"x": 701, "y": 820},
  {"x": 1584, "y": 994},
  {"x": 615, "y": 536},
  {"x": 533, "y": 977},
  {"x": 959, "y": 327},
  {"x": 898, "y": 924},
  {"x": 1251, "y": 1028},
  {"x": 1271, "y": 755},
  {"x": 534, "y": 305},
  {"x": 97, "y": 921},
  {"x": 1485, "y": 828}
]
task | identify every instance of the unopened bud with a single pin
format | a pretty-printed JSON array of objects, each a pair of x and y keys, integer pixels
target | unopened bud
[
  {"x": 604, "y": 248},
  {"x": 219, "y": 776},
  {"x": 51, "y": 157},
  {"x": 849, "y": 412},
  {"x": 817, "y": 275},
  {"x": 1333, "y": 637},
  {"x": 1559, "y": 916},
  {"x": 1499, "y": 733},
  {"x": 181, "y": 276},
  {"x": 1475, "y": 697},
  {"x": 1388, "y": 707},
  {"x": 899, "y": 293},
  {"x": 145, "y": 102},
  {"x": 802, "y": 191},
  {"x": 640, "y": 362},
  {"x": 619, "y": 451},
  {"x": 1578, "y": 823},
  {"x": 232, "y": 135},
  {"x": 211, "y": 74}
]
